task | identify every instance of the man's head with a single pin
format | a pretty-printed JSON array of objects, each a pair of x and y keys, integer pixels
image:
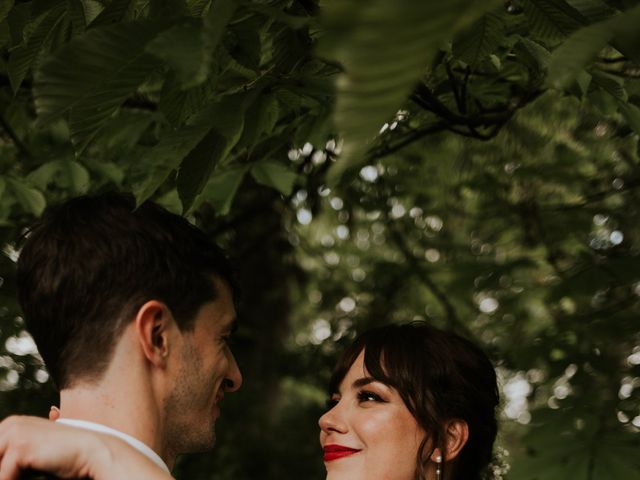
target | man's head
[{"x": 87, "y": 268}]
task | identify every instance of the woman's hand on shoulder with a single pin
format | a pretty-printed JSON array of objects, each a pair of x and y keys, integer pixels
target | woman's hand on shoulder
[{"x": 30, "y": 443}]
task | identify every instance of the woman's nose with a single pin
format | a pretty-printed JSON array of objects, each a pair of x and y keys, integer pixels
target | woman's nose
[{"x": 332, "y": 421}]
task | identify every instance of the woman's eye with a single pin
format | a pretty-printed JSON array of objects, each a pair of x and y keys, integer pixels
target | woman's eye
[{"x": 366, "y": 396}]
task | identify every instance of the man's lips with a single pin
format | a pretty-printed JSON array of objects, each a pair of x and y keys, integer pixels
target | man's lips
[{"x": 334, "y": 452}]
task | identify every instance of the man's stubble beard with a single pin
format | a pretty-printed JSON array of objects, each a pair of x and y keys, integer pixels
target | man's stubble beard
[{"x": 186, "y": 433}]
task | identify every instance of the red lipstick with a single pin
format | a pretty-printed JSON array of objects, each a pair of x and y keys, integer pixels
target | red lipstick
[{"x": 334, "y": 452}]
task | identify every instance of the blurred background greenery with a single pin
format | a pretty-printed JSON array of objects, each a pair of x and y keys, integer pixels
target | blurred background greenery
[{"x": 474, "y": 164}]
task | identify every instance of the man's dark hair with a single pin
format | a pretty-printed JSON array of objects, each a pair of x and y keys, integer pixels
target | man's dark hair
[{"x": 88, "y": 265}]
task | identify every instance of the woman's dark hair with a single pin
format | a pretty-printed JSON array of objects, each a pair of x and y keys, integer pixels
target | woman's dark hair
[{"x": 440, "y": 376}]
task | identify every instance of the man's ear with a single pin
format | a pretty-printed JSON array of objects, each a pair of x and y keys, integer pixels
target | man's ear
[
  {"x": 456, "y": 436},
  {"x": 154, "y": 323}
]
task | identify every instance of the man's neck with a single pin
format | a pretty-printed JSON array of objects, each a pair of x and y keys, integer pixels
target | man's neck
[
  {"x": 124, "y": 398},
  {"x": 124, "y": 410}
]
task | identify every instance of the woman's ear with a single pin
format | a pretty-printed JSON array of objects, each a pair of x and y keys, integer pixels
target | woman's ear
[{"x": 456, "y": 436}]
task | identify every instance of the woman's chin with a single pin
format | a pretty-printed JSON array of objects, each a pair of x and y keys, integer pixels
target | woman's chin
[{"x": 344, "y": 472}]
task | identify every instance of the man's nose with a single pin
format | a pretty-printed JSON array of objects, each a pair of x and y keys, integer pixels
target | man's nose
[{"x": 233, "y": 381}]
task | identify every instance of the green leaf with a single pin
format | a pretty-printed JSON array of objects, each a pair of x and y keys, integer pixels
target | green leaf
[
  {"x": 613, "y": 86},
  {"x": 178, "y": 105},
  {"x": 66, "y": 173},
  {"x": 43, "y": 175},
  {"x": 535, "y": 55},
  {"x": 78, "y": 19},
  {"x": 107, "y": 170},
  {"x": 30, "y": 198},
  {"x": 23, "y": 56},
  {"x": 166, "y": 157},
  {"x": 20, "y": 23},
  {"x": 581, "y": 48},
  {"x": 593, "y": 10},
  {"x": 114, "y": 12},
  {"x": 171, "y": 201},
  {"x": 274, "y": 175},
  {"x": 181, "y": 48},
  {"x": 227, "y": 120},
  {"x": 260, "y": 120},
  {"x": 383, "y": 59},
  {"x": 197, "y": 7},
  {"x": 3, "y": 186},
  {"x": 552, "y": 20},
  {"x": 93, "y": 8},
  {"x": 93, "y": 74},
  {"x": 478, "y": 42},
  {"x": 5, "y": 8},
  {"x": 570, "y": 58},
  {"x": 627, "y": 36},
  {"x": 277, "y": 14},
  {"x": 75, "y": 176},
  {"x": 632, "y": 114},
  {"x": 196, "y": 168},
  {"x": 215, "y": 24},
  {"x": 222, "y": 187}
]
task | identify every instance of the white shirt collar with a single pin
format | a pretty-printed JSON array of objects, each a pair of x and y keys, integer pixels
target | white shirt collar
[{"x": 134, "y": 442}]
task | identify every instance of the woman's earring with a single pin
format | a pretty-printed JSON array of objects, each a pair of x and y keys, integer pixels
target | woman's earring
[{"x": 439, "y": 467}]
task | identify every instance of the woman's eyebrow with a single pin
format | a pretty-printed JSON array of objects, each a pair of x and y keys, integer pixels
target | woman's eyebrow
[{"x": 361, "y": 382}]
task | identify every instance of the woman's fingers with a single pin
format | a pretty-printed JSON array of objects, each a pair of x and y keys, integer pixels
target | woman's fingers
[
  {"x": 12, "y": 451},
  {"x": 54, "y": 413}
]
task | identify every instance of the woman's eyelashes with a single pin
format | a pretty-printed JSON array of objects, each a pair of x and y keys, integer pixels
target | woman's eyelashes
[
  {"x": 369, "y": 396},
  {"x": 362, "y": 396}
]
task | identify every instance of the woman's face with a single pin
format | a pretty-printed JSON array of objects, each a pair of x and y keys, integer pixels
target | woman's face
[{"x": 369, "y": 433}]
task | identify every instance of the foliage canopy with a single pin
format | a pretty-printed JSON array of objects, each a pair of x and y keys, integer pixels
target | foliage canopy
[{"x": 472, "y": 163}]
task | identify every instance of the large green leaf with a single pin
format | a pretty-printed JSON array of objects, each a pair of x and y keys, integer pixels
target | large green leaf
[
  {"x": 222, "y": 187},
  {"x": 22, "y": 57},
  {"x": 181, "y": 48},
  {"x": 593, "y": 10},
  {"x": 570, "y": 58},
  {"x": 114, "y": 12},
  {"x": 197, "y": 7},
  {"x": 30, "y": 198},
  {"x": 534, "y": 55},
  {"x": 552, "y": 20},
  {"x": 227, "y": 121},
  {"x": 93, "y": 74},
  {"x": 77, "y": 15},
  {"x": 178, "y": 105},
  {"x": 627, "y": 34},
  {"x": 5, "y": 8},
  {"x": 274, "y": 175},
  {"x": 260, "y": 120},
  {"x": 384, "y": 48},
  {"x": 196, "y": 168},
  {"x": 67, "y": 173},
  {"x": 166, "y": 157},
  {"x": 631, "y": 113},
  {"x": 215, "y": 23},
  {"x": 610, "y": 84},
  {"x": 478, "y": 42}
]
